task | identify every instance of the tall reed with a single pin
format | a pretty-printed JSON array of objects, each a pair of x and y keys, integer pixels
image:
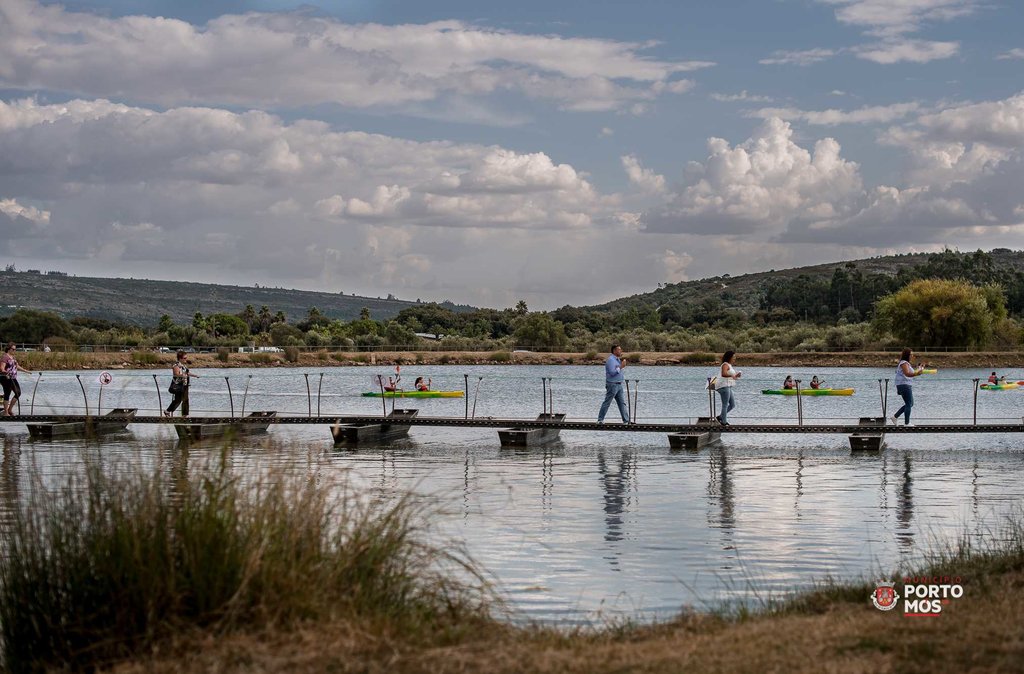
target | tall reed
[{"x": 113, "y": 562}]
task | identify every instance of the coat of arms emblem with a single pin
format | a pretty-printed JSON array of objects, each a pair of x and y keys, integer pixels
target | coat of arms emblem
[{"x": 885, "y": 596}]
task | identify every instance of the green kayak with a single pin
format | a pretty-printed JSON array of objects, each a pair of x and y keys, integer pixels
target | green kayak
[
  {"x": 414, "y": 394},
  {"x": 809, "y": 392}
]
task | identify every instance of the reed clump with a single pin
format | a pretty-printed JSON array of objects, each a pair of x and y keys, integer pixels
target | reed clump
[
  {"x": 112, "y": 564},
  {"x": 54, "y": 360},
  {"x": 145, "y": 358},
  {"x": 263, "y": 358},
  {"x": 500, "y": 357}
]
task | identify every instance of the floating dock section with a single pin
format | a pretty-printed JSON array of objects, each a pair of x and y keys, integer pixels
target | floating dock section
[
  {"x": 389, "y": 428},
  {"x": 872, "y": 438},
  {"x": 696, "y": 439},
  {"x": 114, "y": 421},
  {"x": 531, "y": 437},
  {"x": 200, "y": 429}
]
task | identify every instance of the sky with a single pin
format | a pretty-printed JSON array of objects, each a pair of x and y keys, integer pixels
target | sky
[{"x": 558, "y": 152}]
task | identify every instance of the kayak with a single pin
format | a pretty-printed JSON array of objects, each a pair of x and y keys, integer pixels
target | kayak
[
  {"x": 809, "y": 392},
  {"x": 414, "y": 394},
  {"x": 930, "y": 370},
  {"x": 1008, "y": 386}
]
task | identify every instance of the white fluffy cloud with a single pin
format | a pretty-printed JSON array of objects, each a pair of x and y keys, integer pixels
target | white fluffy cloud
[
  {"x": 800, "y": 58},
  {"x": 912, "y": 51},
  {"x": 874, "y": 114},
  {"x": 759, "y": 186},
  {"x": 251, "y": 192},
  {"x": 1016, "y": 53},
  {"x": 969, "y": 165},
  {"x": 253, "y": 60},
  {"x": 646, "y": 179}
]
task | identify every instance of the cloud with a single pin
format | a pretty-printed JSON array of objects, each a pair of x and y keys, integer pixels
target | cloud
[
  {"x": 605, "y": 132},
  {"x": 866, "y": 115},
  {"x": 1015, "y": 54},
  {"x": 252, "y": 59},
  {"x": 967, "y": 165},
  {"x": 742, "y": 96},
  {"x": 759, "y": 186},
  {"x": 251, "y": 197},
  {"x": 912, "y": 51},
  {"x": 800, "y": 58},
  {"x": 645, "y": 179},
  {"x": 887, "y": 19}
]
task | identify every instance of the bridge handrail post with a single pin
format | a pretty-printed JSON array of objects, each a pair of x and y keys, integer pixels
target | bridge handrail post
[
  {"x": 319, "y": 387},
  {"x": 976, "y": 401},
  {"x": 799, "y": 405},
  {"x": 245, "y": 394},
  {"x": 636, "y": 399},
  {"x": 466, "y": 378},
  {"x": 86, "y": 397},
  {"x": 629, "y": 401},
  {"x": 159, "y": 398},
  {"x": 309, "y": 397},
  {"x": 551, "y": 396},
  {"x": 32, "y": 406},
  {"x": 231, "y": 398}
]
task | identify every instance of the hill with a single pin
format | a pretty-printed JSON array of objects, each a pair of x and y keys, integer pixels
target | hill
[
  {"x": 747, "y": 293},
  {"x": 142, "y": 302}
]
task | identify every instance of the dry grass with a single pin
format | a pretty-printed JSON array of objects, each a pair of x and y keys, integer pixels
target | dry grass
[
  {"x": 119, "y": 563},
  {"x": 831, "y": 629}
]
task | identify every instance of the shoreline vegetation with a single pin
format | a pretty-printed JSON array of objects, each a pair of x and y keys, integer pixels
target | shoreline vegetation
[
  {"x": 202, "y": 571},
  {"x": 146, "y": 360}
]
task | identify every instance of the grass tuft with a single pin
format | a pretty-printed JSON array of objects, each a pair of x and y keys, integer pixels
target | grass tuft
[
  {"x": 145, "y": 358},
  {"x": 500, "y": 357},
  {"x": 112, "y": 564}
]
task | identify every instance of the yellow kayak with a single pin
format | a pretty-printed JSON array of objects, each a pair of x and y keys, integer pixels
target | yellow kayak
[
  {"x": 809, "y": 392},
  {"x": 414, "y": 394}
]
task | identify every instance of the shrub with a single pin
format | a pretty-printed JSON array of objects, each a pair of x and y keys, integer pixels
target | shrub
[
  {"x": 633, "y": 358},
  {"x": 591, "y": 355},
  {"x": 223, "y": 354},
  {"x": 145, "y": 358},
  {"x": 111, "y": 564},
  {"x": 340, "y": 357},
  {"x": 699, "y": 358},
  {"x": 501, "y": 357},
  {"x": 262, "y": 358},
  {"x": 291, "y": 354}
]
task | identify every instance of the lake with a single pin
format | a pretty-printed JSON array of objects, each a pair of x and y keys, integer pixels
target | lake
[{"x": 598, "y": 525}]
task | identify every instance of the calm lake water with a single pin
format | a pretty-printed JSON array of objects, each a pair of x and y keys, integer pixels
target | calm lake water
[{"x": 608, "y": 524}]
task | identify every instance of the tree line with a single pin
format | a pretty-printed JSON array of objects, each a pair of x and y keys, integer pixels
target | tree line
[{"x": 952, "y": 299}]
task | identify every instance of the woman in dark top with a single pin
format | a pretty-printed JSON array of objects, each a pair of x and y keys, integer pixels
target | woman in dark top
[{"x": 180, "y": 384}]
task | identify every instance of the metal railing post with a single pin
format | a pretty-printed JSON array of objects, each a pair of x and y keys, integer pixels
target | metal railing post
[
  {"x": 231, "y": 398},
  {"x": 799, "y": 405},
  {"x": 245, "y": 394},
  {"x": 32, "y": 406},
  {"x": 82, "y": 386},
  {"x": 309, "y": 397},
  {"x": 159, "y": 398},
  {"x": 319, "y": 387},
  {"x": 976, "y": 401}
]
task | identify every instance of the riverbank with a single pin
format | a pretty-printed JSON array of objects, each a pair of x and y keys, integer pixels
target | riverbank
[
  {"x": 987, "y": 360},
  {"x": 835, "y": 629}
]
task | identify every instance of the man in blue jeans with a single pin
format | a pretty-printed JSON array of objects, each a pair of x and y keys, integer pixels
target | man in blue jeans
[{"x": 613, "y": 381}]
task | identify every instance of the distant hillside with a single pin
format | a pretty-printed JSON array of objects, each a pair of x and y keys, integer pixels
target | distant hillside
[
  {"x": 745, "y": 292},
  {"x": 142, "y": 302}
]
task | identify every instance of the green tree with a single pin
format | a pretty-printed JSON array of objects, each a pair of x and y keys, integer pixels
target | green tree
[
  {"x": 541, "y": 331},
  {"x": 165, "y": 324},
  {"x": 282, "y": 334},
  {"x": 226, "y": 325},
  {"x": 32, "y": 327},
  {"x": 941, "y": 312},
  {"x": 364, "y": 314}
]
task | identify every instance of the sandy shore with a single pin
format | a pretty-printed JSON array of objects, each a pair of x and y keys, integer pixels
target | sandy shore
[{"x": 150, "y": 360}]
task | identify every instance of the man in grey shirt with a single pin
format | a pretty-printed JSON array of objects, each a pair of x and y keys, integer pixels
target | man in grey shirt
[{"x": 613, "y": 381}]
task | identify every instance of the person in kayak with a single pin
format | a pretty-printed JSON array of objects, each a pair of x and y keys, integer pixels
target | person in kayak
[
  {"x": 993, "y": 379},
  {"x": 613, "y": 381},
  {"x": 815, "y": 383},
  {"x": 421, "y": 385},
  {"x": 789, "y": 383},
  {"x": 727, "y": 377},
  {"x": 905, "y": 372}
]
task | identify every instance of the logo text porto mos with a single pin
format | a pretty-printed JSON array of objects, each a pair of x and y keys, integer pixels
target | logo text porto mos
[{"x": 923, "y": 596}]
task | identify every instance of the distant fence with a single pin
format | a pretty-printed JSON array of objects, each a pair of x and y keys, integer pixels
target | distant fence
[{"x": 432, "y": 345}]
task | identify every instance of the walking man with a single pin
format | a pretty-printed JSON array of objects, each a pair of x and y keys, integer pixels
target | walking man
[{"x": 613, "y": 381}]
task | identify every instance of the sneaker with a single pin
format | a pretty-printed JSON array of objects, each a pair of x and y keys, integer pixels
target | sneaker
[
  {"x": 895, "y": 420},
  {"x": 909, "y": 425}
]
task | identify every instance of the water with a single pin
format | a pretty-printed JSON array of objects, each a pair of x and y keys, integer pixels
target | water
[{"x": 613, "y": 524}]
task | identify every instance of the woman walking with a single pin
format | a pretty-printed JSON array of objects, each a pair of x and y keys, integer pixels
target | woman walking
[
  {"x": 180, "y": 384},
  {"x": 9, "y": 379},
  {"x": 727, "y": 377},
  {"x": 904, "y": 386}
]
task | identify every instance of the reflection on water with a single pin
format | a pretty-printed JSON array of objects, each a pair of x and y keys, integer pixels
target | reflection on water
[{"x": 618, "y": 522}]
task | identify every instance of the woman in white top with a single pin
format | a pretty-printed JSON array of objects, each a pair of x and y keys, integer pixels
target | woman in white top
[
  {"x": 727, "y": 377},
  {"x": 904, "y": 386}
]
